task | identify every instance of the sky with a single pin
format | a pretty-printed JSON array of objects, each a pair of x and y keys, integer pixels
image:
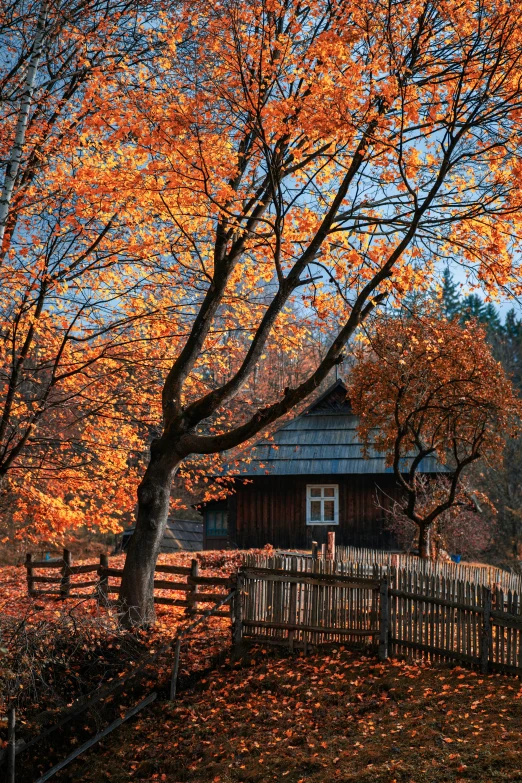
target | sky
[{"x": 503, "y": 306}]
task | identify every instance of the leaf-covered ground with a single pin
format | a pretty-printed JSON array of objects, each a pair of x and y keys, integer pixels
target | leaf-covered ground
[
  {"x": 54, "y": 652},
  {"x": 335, "y": 716},
  {"x": 339, "y": 716}
]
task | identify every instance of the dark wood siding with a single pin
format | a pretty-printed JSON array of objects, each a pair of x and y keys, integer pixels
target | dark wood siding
[{"x": 272, "y": 510}]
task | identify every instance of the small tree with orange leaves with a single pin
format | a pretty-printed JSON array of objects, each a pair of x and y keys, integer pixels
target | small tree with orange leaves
[{"x": 428, "y": 388}]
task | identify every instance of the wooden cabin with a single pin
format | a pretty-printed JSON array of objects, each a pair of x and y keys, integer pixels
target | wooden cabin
[{"x": 309, "y": 478}]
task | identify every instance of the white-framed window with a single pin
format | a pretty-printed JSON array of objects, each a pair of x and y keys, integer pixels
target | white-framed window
[{"x": 322, "y": 504}]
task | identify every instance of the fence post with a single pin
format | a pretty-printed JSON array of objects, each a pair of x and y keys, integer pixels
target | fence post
[
  {"x": 11, "y": 745},
  {"x": 65, "y": 584},
  {"x": 485, "y": 640},
  {"x": 175, "y": 669},
  {"x": 315, "y": 546},
  {"x": 384, "y": 622},
  {"x": 331, "y": 545},
  {"x": 192, "y": 601},
  {"x": 292, "y": 608},
  {"x": 103, "y": 582},
  {"x": 29, "y": 567},
  {"x": 323, "y": 551},
  {"x": 237, "y": 607}
]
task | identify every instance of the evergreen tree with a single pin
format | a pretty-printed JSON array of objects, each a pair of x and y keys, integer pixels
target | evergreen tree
[
  {"x": 492, "y": 319},
  {"x": 487, "y": 314},
  {"x": 450, "y": 295},
  {"x": 512, "y": 328}
]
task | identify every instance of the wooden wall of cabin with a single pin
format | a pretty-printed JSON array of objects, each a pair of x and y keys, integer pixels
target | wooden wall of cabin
[{"x": 272, "y": 510}]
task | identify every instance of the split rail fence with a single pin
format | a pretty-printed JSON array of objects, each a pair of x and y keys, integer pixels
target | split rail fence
[
  {"x": 105, "y": 581},
  {"x": 301, "y": 603}
]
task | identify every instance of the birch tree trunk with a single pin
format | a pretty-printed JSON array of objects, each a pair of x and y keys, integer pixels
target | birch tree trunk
[{"x": 15, "y": 157}]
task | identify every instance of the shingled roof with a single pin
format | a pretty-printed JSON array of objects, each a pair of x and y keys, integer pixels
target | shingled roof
[{"x": 323, "y": 440}]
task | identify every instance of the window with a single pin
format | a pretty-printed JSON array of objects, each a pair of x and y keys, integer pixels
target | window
[
  {"x": 322, "y": 504},
  {"x": 216, "y": 523}
]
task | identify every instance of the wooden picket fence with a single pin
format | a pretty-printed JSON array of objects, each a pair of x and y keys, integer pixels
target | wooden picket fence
[
  {"x": 301, "y": 602},
  {"x": 487, "y": 575},
  {"x": 304, "y": 602},
  {"x": 304, "y": 609},
  {"x": 107, "y": 580}
]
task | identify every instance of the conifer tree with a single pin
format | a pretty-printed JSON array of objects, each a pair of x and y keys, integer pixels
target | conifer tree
[{"x": 450, "y": 295}]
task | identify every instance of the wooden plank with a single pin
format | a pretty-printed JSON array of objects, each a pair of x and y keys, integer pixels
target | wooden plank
[
  {"x": 168, "y": 601},
  {"x": 209, "y": 580},
  {"x": 469, "y": 647},
  {"x": 29, "y": 568},
  {"x": 506, "y": 621},
  {"x": 384, "y": 620},
  {"x": 434, "y": 600},
  {"x": 65, "y": 586},
  {"x": 50, "y": 579},
  {"x": 175, "y": 668},
  {"x": 84, "y": 569},
  {"x": 286, "y": 575},
  {"x": 170, "y": 569},
  {"x": 500, "y": 634},
  {"x": 192, "y": 604},
  {"x": 206, "y": 597},
  {"x": 103, "y": 581},
  {"x": 409, "y": 609},
  {"x": 324, "y": 629},
  {"x": 509, "y": 630},
  {"x": 167, "y": 584},
  {"x": 236, "y": 610},
  {"x": 505, "y": 668},
  {"x": 218, "y": 613},
  {"x": 324, "y": 580},
  {"x": 111, "y": 571},
  {"x": 485, "y": 647},
  {"x": 47, "y": 563},
  {"x": 435, "y": 607},
  {"x": 81, "y": 585},
  {"x": 292, "y": 610}
]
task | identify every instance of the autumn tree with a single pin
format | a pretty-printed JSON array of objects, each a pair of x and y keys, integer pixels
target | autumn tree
[
  {"x": 321, "y": 155},
  {"x": 225, "y": 170},
  {"x": 74, "y": 324},
  {"x": 467, "y": 527},
  {"x": 431, "y": 396}
]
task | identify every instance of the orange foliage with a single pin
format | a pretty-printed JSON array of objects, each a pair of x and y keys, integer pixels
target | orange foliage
[
  {"x": 199, "y": 188},
  {"x": 429, "y": 388}
]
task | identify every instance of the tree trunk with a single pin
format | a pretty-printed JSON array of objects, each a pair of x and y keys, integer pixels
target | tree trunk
[
  {"x": 137, "y": 584},
  {"x": 424, "y": 541}
]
